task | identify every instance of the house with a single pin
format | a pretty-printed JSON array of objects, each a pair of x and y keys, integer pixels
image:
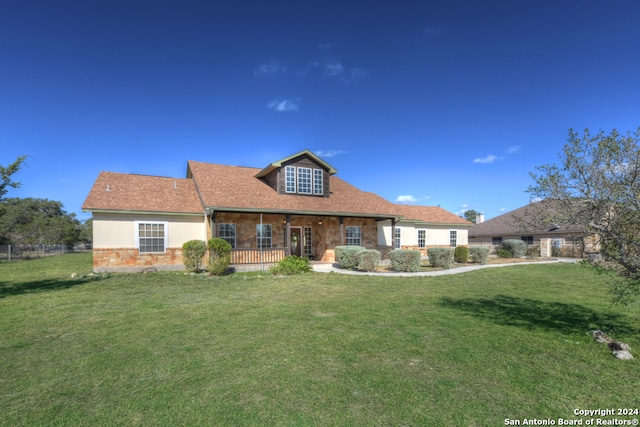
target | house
[
  {"x": 424, "y": 227},
  {"x": 296, "y": 205},
  {"x": 526, "y": 223}
]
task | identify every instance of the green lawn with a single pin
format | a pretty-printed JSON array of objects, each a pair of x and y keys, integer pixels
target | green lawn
[{"x": 321, "y": 349}]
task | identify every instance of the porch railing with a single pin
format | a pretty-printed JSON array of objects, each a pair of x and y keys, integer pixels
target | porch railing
[{"x": 256, "y": 256}]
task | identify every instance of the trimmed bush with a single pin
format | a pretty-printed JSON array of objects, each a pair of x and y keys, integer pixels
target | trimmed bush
[
  {"x": 503, "y": 253},
  {"x": 533, "y": 251},
  {"x": 441, "y": 257},
  {"x": 291, "y": 265},
  {"x": 461, "y": 254},
  {"x": 346, "y": 256},
  {"x": 405, "y": 260},
  {"x": 219, "y": 256},
  {"x": 479, "y": 254},
  {"x": 193, "y": 252},
  {"x": 517, "y": 247},
  {"x": 367, "y": 259}
]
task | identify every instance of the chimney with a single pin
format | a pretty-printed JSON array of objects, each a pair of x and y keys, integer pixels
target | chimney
[{"x": 479, "y": 218}]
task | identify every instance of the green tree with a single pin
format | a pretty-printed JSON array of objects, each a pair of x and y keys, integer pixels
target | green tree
[
  {"x": 470, "y": 215},
  {"x": 595, "y": 188},
  {"x": 5, "y": 175},
  {"x": 37, "y": 222}
]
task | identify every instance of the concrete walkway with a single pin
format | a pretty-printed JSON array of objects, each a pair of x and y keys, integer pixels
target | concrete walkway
[{"x": 328, "y": 268}]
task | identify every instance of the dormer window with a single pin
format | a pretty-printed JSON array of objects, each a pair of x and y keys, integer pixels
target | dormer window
[{"x": 304, "y": 180}]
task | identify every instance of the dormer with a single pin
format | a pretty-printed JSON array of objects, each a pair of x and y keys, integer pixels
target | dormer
[{"x": 303, "y": 174}]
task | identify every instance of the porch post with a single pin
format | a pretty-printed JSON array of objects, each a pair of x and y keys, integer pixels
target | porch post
[
  {"x": 287, "y": 235},
  {"x": 214, "y": 228},
  {"x": 393, "y": 233},
  {"x": 341, "y": 230}
]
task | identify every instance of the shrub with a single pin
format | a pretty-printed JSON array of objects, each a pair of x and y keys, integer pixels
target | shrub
[
  {"x": 533, "y": 251},
  {"x": 515, "y": 246},
  {"x": 503, "y": 253},
  {"x": 405, "y": 260},
  {"x": 441, "y": 257},
  {"x": 479, "y": 254},
  {"x": 219, "y": 256},
  {"x": 461, "y": 254},
  {"x": 345, "y": 256},
  {"x": 192, "y": 253},
  {"x": 291, "y": 265},
  {"x": 367, "y": 259}
]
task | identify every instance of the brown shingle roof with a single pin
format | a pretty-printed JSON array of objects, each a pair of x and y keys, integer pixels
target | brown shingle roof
[
  {"x": 508, "y": 224},
  {"x": 237, "y": 188},
  {"x": 127, "y": 192},
  {"x": 430, "y": 214}
]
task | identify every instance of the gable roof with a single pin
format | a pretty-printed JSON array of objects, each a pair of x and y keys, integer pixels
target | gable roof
[
  {"x": 235, "y": 188},
  {"x": 430, "y": 215},
  {"x": 143, "y": 193},
  {"x": 507, "y": 223},
  {"x": 278, "y": 164}
]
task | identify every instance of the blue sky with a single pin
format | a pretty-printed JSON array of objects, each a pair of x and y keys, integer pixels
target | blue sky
[{"x": 448, "y": 103}]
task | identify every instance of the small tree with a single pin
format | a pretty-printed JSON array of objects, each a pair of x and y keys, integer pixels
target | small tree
[
  {"x": 517, "y": 247},
  {"x": 5, "y": 175},
  {"x": 595, "y": 189},
  {"x": 219, "y": 256},
  {"x": 193, "y": 252}
]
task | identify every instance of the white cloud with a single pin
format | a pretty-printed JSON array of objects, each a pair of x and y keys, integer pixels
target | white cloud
[
  {"x": 269, "y": 68},
  {"x": 333, "y": 68},
  {"x": 432, "y": 31},
  {"x": 464, "y": 206},
  {"x": 284, "y": 105},
  {"x": 406, "y": 199},
  {"x": 330, "y": 153},
  {"x": 513, "y": 150},
  {"x": 488, "y": 159}
]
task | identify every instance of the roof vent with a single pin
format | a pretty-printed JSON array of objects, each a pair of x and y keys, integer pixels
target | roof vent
[
  {"x": 175, "y": 184},
  {"x": 108, "y": 188}
]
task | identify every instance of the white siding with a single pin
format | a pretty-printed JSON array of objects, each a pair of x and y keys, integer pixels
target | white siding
[{"x": 115, "y": 230}]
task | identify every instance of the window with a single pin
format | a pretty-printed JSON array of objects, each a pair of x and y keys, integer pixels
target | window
[
  {"x": 304, "y": 180},
  {"x": 228, "y": 232},
  {"x": 263, "y": 235},
  {"x": 354, "y": 236},
  {"x": 422, "y": 239},
  {"x": 151, "y": 236},
  {"x": 318, "y": 185},
  {"x": 290, "y": 177},
  {"x": 307, "y": 244},
  {"x": 397, "y": 238},
  {"x": 496, "y": 241},
  {"x": 527, "y": 239},
  {"x": 453, "y": 238}
]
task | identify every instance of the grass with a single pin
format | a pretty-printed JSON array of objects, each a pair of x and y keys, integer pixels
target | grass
[{"x": 322, "y": 349}]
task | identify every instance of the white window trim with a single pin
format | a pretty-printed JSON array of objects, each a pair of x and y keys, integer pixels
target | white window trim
[
  {"x": 303, "y": 170},
  {"x": 450, "y": 239},
  {"x": 347, "y": 239},
  {"x": 425, "y": 238},
  {"x": 235, "y": 233},
  {"x": 397, "y": 239},
  {"x": 166, "y": 234},
  {"x": 295, "y": 179},
  {"x": 318, "y": 188}
]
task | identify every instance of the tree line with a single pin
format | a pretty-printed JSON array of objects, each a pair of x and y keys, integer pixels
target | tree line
[{"x": 34, "y": 221}]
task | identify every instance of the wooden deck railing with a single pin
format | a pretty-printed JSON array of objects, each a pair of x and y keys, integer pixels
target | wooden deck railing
[{"x": 254, "y": 256}]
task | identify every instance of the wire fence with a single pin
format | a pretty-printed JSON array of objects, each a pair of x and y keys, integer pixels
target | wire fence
[{"x": 22, "y": 252}]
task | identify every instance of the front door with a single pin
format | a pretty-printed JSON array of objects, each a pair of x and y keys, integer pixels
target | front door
[{"x": 296, "y": 241}]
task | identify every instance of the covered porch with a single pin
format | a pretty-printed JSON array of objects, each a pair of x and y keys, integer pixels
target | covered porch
[{"x": 259, "y": 238}]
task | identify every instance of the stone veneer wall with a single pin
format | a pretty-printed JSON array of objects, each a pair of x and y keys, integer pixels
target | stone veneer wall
[
  {"x": 325, "y": 231},
  {"x": 130, "y": 259}
]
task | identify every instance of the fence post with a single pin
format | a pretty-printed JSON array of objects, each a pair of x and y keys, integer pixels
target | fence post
[{"x": 9, "y": 253}]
